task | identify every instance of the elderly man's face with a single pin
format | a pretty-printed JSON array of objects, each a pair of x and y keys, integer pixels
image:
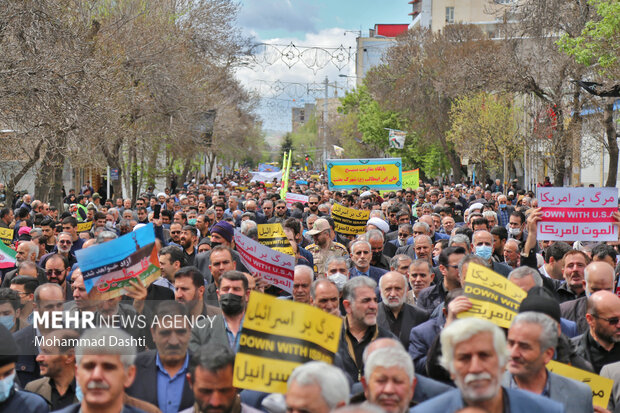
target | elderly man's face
[
  {"x": 390, "y": 388},
  {"x": 476, "y": 369},
  {"x": 305, "y": 399},
  {"x": 103, "y": 379}
]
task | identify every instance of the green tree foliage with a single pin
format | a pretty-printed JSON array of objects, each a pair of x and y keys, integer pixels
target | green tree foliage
[
  {"x": 599, "y": 42},
  {"x": 484, "y": 128}
]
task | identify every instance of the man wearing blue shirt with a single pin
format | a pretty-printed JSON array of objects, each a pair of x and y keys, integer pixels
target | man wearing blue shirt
[{"x": 164, "y": 369}]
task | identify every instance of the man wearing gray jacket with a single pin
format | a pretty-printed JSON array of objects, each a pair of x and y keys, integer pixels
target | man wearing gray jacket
[{"x": 532, "y": 339}]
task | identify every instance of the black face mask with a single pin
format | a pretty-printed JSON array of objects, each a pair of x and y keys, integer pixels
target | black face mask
[
  {"x": 376, "y": 256},
  {"x": 215, "y": 244},
  {"x": 231, "y": 304}
]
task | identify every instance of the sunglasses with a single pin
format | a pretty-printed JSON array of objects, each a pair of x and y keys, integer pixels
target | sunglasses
[
  {"x": 54, "y": 272},
  {"x": 612, "y": 321}
]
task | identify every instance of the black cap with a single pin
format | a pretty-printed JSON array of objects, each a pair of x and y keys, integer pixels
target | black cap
[{"x": 541, "y": 304}]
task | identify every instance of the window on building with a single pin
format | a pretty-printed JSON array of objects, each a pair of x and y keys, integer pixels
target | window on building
[{"x": 449, "y": 14}]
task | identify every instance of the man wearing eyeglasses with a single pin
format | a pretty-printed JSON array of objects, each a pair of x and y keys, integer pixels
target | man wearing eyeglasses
[
  {"x": 599, "y": 345},
  {"x": 64, "y": 243},
  {"x": 56, "y": 269}
]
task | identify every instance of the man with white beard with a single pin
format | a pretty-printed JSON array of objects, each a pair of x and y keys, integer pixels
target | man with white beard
[
  {"x": 393, "y": 313},
  {"x": 475, "y": 353}
]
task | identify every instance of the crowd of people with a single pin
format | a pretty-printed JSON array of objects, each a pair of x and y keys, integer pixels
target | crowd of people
[{"x": 398, "y": 287}]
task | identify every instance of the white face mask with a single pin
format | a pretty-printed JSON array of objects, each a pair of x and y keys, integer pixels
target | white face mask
[
  {"x": 339, "y": 279},
  {"x": 515, "y": 232}
]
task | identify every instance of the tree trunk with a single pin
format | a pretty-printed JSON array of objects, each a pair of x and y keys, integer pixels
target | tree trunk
[
  {"x": 11, "y": 183},
  {"x": 57, "y": 163},
  {"x": 113, "y": 157},
  {"x": 133, "y": 165},
  {"x": 612, "y": 143}
]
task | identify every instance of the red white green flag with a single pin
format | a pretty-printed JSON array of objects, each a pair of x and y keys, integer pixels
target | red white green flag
[{"x": 7, "y": 256}]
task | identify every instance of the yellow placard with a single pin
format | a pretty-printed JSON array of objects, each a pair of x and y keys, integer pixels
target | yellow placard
[
  {"x": 273, "y": 236},
  {"x": 601, "y": 386},
  {"x": 279, "y": 335},
  {"x": 494, "y": 297},
  {"x": 377, "y": 175},
  {"x": 6, "y": 235},
  {"x": 317, "y": 177},
  {"x": 84, "y": 226},
  {"x": 349, "y": 220},
  {"x": 411, "y": 179}
]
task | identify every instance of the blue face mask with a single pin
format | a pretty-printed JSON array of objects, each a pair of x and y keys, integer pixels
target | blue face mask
[
  {"x": 502, "y": 206},
  {"x": 192, "y": 221},
  {"x": 484, "y": 252},
  {"x": 78, "y": 392},
  {"x": 6, "y": 385},
  {"x": 8, "y": 321}
]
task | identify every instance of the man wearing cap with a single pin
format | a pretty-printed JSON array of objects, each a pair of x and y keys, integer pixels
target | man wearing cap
[
  {"x": 324, "y": 245},
  {"x": 221, "y": 234},
  {"x": 12, "y": 399}
]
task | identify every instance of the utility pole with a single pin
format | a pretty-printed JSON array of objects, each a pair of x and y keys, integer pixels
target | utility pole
[{"x": 325, "y": 122}]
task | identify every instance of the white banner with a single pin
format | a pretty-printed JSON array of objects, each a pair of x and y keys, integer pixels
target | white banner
[
  {"x": 292, "y": 198},
  {"x": 577, "y": 214},
  {"x": 266, "y": 176},
  {"x": 275, "y": 267}
]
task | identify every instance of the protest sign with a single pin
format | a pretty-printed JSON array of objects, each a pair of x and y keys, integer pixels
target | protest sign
[
  {"x": 397, "y": 138},
  {"x": 266, "y": 177},
  {"x": 273, "y": 236},
  {"x": 84, "y": 226},
  {"x": 6, "y": 234},
  {"x": 263, "y": 167},
  {"x": 107, "y": 268},
  {"x": 292, "y": 198},
  {"x": 380, "y": 174},
  {"x": 279, "y": 335},
  {"x": 275, "y": 267},
  {"x": 411, "y": 179},
  {"x": 577, "y": 214},
  {"x": 494, "y": 298},
  {"x": 601, "y": 386},
  {"x": 349, "y": 220}
]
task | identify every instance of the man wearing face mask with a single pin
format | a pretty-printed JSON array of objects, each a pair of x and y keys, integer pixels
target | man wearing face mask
[
  {"x": 482, "y": 246},
  {"x": 504, "y": 211},
  {"x": 12, "y": 399},
  {"x": 516, "y": 226},
  {"x": 233, "y": 294},
  {"x": 10, "y": 311}
]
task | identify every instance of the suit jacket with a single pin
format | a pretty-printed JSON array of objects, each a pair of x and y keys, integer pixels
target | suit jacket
[
  {"x": 421, "y": 339},
  {"x": 26, "y": 367},
  {"x": 6, "y": 281},
  {"x": 575, "y": 310},
  {"x": 519, "y": 402},
  {"x": 43, "y": 388},
  {"x": 502, "y": 268},
  {"x": 574, "y": 395},
  {"x": 215, "y": 332},
  {"x": 612, "y": 371},
  {"x": 374, "y": 273},
  {"x": 145, "y": 386},
  {"x": 412, "y": 317}
]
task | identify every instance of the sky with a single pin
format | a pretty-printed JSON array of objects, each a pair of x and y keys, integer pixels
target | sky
[{"x": 322, "y": 24}]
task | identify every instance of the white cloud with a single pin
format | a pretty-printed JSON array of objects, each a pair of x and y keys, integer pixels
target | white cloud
[
  {"x": 276, "y": 113},
  {"x": 278, "y": 14}
]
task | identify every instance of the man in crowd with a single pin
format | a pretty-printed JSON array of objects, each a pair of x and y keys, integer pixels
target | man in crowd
[
  {"x": 211, "y": 379},
  {"x": 360, "y": 325},
  {"x": 598, "y": 344},
  {"x": 316, "y": 387},
  {"x": 393, "y": 313},
  {"x": 361, "y": 253},
  {"x": 162, "y": 371},
  {"x": 532, "y": 339},
  {"x": 325, "y": 295},
  {"x": 324, "y": 245},
  {"x": 302, "y": 280},
  {"x": 475, "y": 353}
]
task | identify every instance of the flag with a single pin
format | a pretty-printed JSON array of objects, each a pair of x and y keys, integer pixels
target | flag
[
  {"x": 338, "y": 150},
  {"x": 7, "y": 256},
  {"x": 397, "y": 138}
]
